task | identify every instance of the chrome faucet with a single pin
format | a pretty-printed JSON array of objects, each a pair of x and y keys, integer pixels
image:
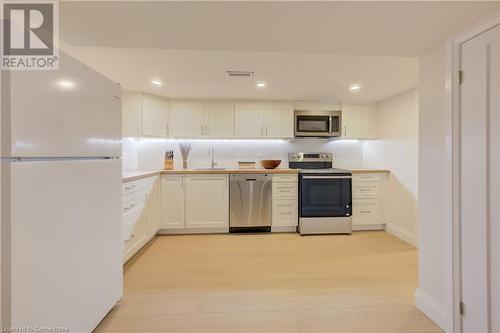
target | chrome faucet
[{"x": 212, "y": 152}]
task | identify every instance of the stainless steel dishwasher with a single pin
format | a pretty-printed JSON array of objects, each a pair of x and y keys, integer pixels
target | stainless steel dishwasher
[{"x": 250, "y": 202}]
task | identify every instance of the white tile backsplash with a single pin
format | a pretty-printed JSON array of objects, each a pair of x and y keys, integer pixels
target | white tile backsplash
[{"x": 147, "y": 154}]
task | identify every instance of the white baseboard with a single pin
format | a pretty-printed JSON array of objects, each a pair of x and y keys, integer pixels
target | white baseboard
[
  {"x": 431, "y": 308},
  {"x": 401, "y": 233}
]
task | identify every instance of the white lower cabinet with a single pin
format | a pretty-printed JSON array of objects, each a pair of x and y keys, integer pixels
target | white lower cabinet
[
  {"x": 285, "y": 203},
  {"x": 172, "y": 202},
  {"x": 195, "y": 203},
  {"x": 366, "y": 193},
  {"x": 140, "y": 214}
]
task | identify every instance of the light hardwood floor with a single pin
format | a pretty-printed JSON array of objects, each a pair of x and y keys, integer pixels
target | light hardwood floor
[{"x": 271, "y": 283}]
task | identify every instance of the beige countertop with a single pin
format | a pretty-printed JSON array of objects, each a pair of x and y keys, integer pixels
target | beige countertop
[
  {"x": 229, "y": 170},
  {"x": 138, "y": 174},
  {"x": 128, "y": 176},
  {"x": 361, "y": 170}
]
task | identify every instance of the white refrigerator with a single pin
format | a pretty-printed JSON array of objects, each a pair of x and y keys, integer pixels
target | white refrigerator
[{"x": 61, "y": 246}]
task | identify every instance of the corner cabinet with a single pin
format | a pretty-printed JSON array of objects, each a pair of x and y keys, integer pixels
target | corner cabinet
[
  {"x": 194, "y": 203},
  {"x": 359, "y": 120},
  {"x": 145, "y": 115}
]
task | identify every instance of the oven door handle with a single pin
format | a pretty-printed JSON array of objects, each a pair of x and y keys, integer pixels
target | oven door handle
[{"x": 327, "y": 177}]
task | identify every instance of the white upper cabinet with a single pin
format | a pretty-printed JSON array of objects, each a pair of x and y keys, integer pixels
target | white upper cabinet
[
  {"x": 278, "y": 121},
  {"x": 219, "y": 120},
  {"x": 248, "y": 120},
  {"x": 188, "y": 119},
  {"x": 264, "y": 120},
  {"x": 154, "y": 116},
  {"x": 144, "y": 115},
  {"x": 359, "y": 120}
]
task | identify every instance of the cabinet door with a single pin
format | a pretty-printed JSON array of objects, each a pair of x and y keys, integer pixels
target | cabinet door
[
  {"x": 248, "y": 120},
  {"x": 153, "y": 209},
  {"x": 188, "y": 119},
  {"x": 207, "y": 201},
  {"x": 172, "y": 202},
  {"x": 359, "y": 121},
  {"x": 278, "y": 121},
  {"x": 154, "y": 116},
  {"x": 219, "y": 120}
]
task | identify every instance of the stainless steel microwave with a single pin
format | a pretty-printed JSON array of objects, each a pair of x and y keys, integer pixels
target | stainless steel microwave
[{"x": 318, "y": 123}]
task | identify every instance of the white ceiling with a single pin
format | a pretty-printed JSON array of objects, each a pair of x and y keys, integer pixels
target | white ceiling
[{"x": 303, "y": 50}]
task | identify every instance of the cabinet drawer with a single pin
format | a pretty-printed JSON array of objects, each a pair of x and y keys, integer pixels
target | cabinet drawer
[
  {"x": 129, "y": 220},
  {"x": 366, "y": 211},
  {"x": 365, "y": 190},
  {"x": 285, "y": 213},
  {"x": 367, "y": 177},
  {"x": 284, "y": 191},
  {"x": 130, "y": 202},
  {"x": 285, "y": 178},
  {"x": 138, "y": 185},
  {"x": 136, "y": 236}
]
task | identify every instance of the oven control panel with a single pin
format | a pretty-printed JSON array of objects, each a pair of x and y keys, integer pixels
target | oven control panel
[{"x": 310, "y": 157}]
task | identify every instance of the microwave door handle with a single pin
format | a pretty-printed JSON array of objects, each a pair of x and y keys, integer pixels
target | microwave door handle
[{"x": 330, "y": 124}]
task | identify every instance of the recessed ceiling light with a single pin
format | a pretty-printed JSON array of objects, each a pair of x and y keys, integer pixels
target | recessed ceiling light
[
  {"x": 261, "y": 84},
  {"x": 156, "y": 83},
  {"x": 66, "y": 84},
  {"x": 355, "y": 87}
]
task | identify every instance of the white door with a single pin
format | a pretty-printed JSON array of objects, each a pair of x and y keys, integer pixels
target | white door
[
  {"x": 278, "y": 121},
  {"x": 66, "y": 243},
  {"x": 248, "y": 120},
  {"x": 188, "y": 119},
  {"x": 207, "y": 201},
  {"x": 219, "y": 120},
  {"x": 154, "y": 116},
  {"x": 172, "y": 202},
  {"x": 480, "y": 182}
]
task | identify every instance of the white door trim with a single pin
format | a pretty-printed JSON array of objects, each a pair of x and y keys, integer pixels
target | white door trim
[{"x": 452, "y": 203}]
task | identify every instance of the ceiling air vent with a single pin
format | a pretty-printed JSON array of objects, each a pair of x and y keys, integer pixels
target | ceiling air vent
[{"x": 239, "y": 74}]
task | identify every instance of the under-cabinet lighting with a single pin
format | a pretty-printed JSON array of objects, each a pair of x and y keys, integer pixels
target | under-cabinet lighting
[
  {"x": 157, "y": 83},
  {"x": 235, "y": 140},
  {"x": 261, "y": 85}
]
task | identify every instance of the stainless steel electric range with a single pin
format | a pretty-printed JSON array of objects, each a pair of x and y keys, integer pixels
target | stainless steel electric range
[{"x": 325, "y": 194}]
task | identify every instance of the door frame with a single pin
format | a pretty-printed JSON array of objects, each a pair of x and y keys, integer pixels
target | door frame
[{"x": 453, "y": 148}]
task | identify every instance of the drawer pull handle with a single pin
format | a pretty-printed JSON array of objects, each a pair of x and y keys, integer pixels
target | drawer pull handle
[
  {"x": 129, "y": 207},
  {"x": 129, "y": 187},
  {"x": 285, "y": 213},
  {"x": 365, "y": 211},
  {"x": 365, "y": 189}
]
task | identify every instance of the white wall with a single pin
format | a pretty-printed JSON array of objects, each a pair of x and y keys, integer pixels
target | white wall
[
  {"x": 431, "y": 296},
  {"x": 396, "y": 150},
  {"x": 147, "y": 154}
]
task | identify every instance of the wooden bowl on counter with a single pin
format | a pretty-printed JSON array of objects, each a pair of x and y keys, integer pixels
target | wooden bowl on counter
[{"x": 270, "y": 164}]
